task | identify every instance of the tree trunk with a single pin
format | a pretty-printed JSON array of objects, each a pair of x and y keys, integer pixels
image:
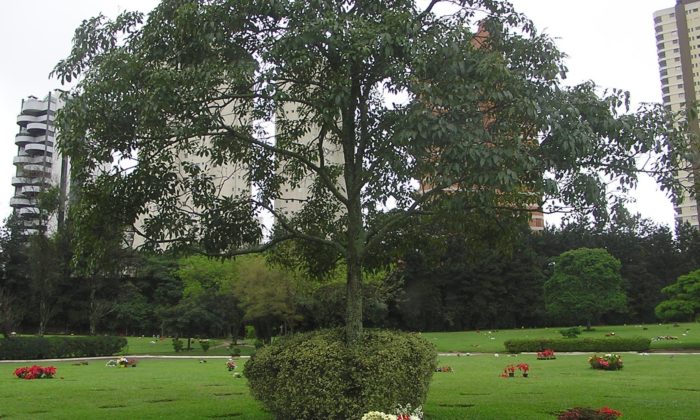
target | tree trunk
[
  {"x": 93, "y": 310},
  {"x": 43, "y": 316},
  {"x": 353, "y": 313}
]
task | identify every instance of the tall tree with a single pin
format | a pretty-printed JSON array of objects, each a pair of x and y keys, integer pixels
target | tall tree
[
  {"x": 484, "y": 119},
  {"x": 585, "y": 284},
  {"x": 12, "y": 276},
  {"x": 212, "y": 281}
]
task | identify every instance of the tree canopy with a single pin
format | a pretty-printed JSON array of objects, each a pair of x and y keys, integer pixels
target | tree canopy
[
  {"x": 684, "y": 299},
  {"x": 584, "y": 285},
  {"x": 468, "y": 101}
]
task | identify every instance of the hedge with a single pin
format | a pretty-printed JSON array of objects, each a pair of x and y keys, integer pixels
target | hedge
[
  {"x": 579, "y": 344},
  {"x": 317, "y": 375},
  {"x": 30, "y": 348}
]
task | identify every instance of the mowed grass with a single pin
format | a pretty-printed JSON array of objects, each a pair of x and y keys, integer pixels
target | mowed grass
[
  {"x": 486, "y": 341},
  {"x": 183, "y": 389},
  {"x": 649, "y": 387},
  {"x": 162, "y": 347}
]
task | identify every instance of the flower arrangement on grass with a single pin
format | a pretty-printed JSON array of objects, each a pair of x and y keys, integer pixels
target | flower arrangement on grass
[
  {"x": 230, "y": 364},
  {"x": 546, "y": 354},
  {"x": 508, "y": 371},
  {"x": 443, "y": 369},
  {"x": 610, "y": 361},
  {"x": 402, "y": 413},
  {"x": 524, "y": 368},
  {"x": 121, "y": 362},
  {"x": 35, "y": 372},
  {"x": 585, "y": 413}
]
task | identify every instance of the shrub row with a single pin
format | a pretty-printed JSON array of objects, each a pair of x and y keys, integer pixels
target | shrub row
[
  {"x": 317, "y": 375},
  {"x": 30, "y": 348},
  {"x": 579, "y": 344}
]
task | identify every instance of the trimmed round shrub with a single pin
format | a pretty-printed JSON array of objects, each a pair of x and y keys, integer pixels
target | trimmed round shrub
[{"x": 317, "y": 375}]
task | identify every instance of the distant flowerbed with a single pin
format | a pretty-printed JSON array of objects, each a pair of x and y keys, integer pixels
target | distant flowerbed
[
  {"x": 584, "y": 413},
  {"x": 610, "y": 361},
  {"x": 546, "y": 354},
  {"x": 35, "y": 372}
]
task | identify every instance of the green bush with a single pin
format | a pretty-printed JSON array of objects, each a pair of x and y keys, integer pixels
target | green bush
[
  {"x": 177, "y": 345},
  {"x": 22, "y": 348},
  {"x": 317, "y": 375},
  {"x": 234, "y": 350},
  {"x": 579, "y": 344},
  {"x": 572, "y": 332},
  {"x": 249, "y": 332},
  {"x": 205, "y": 344}
]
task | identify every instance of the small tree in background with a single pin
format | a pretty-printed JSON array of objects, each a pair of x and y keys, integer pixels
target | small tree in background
[
  {"x": 584, "y": 285},
  {"x": 684, "y": 302}
]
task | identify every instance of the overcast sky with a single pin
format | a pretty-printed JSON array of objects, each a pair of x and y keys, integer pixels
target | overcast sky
[{"x": 611, "y": 42}]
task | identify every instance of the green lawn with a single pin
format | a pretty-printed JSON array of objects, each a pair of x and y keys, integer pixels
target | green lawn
[
  {"x": 649, "y": 387},
  {"x": 154, "y": 346},
  {"x": 183, "y": 389},
  {"x": 492, "y": 341}
]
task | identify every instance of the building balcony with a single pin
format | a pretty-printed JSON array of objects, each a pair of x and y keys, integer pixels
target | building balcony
[
  {"x": 29, "y": 212},
  {"x": 23, "y": 160},
  {"x": 32, "y": 223},
  {"x": 37, "y": 149},
  {"x": 36, "y": 170},
  {"x": 21, "y": 181},
  {"x": 22, "y": 139},
  {"x": 34, "y": 106},
  {"x": 24, "y": 119},
  {"x": 35, "y": 127},
  {"x": 30, "y": 190},
  {"x": 19, "y": 202}
]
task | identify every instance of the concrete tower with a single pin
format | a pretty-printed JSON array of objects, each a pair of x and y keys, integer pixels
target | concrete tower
[
  {"x": 678, "y": 46},
  {"x": 39, "y": 165}
]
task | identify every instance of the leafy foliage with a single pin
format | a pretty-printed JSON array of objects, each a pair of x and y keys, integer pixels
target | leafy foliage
[
  {"x": 189, "y": 92},
  {"x": 316, "y": 375},
  {"x": 585, "y": 284},
  {"x": 28, "y": 348},
  {"x": 684, "y": 302}
]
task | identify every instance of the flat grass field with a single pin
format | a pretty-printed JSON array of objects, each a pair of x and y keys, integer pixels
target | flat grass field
[
  {"x": 163, "y": 347},
  {"x": 491, "y": 341},
  {"x": 649, "y": 387},
  {"x": 485, "y": 341}
]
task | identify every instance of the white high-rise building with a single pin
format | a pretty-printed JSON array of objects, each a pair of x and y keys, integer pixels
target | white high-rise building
[
  {"x": 294, "y": 197},
  {"x": 678, "y": 46},
  {"x": 39, "y": 165}
]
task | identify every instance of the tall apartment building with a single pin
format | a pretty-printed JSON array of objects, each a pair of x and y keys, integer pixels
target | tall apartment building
[
  {"x": 678, "y": 46},
  {"x": 38, "y": 163},
  {"x": 229, "y": 179},
  {"x": 293, "y": 197}
]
